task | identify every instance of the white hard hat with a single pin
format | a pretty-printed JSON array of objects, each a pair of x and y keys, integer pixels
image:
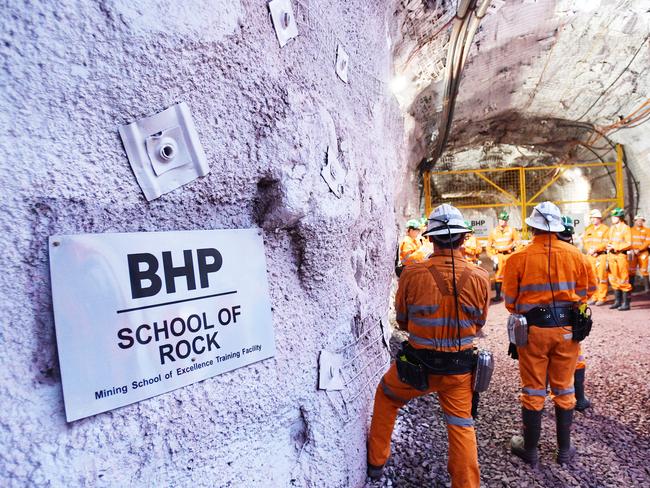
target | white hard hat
[
  {"x": 639, "y": 217},
  {"x": 595, "y": 213},
  {"x": 445, "y": 220},
  {"x": 546, "y": 216}
]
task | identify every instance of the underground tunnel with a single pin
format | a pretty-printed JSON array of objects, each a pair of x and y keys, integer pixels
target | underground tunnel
[{"x": 267, "y": 155}]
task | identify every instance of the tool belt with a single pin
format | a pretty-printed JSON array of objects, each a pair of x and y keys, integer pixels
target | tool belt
[
  {"x": 550, "y": 316},
  {"x": 617, "y": 252},
  {"x": 509, "y": 251},
  {"x": 415, "y": 365},
  {"x": 598, "y": 253}
]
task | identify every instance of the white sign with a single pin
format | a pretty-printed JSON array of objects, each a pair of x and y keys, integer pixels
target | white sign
[
  {"x": 142, "y": 314},
  {"x": 482, "y": 225},
  {"x": 578, "y": 224}
]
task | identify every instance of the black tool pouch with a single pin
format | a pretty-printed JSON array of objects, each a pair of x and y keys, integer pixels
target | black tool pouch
[
  {"x": 411, "y": 371},
  {"x": 512, "y": 351},
  {"x": 475, "y": 400},
  {"x": 581, "y": 324}
]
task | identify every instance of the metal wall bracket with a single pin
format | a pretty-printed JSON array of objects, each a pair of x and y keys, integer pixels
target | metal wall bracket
[
  {"x": 333, "y": 173},
  {"x": 342, "y": 63},
  {"x": 329, "y": 371},
  {"x": 164, "y": 151},
  {"x": 284, "y": 21}
]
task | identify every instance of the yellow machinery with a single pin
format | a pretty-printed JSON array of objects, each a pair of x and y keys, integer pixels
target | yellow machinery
[{"x": 516, "y": 186}]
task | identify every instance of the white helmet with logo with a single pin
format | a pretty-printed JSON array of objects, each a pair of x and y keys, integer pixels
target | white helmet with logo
[
  {"x": 446, "y": 220},
  {"x": 595, "y": 213},
  {"x": 546, "y": 216},
  {"x": 639, "y": 217}
]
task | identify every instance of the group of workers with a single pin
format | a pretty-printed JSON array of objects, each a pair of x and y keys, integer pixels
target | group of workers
[
  {"x": 616, "y": 253},
  {"x": 442, "y": 302}
]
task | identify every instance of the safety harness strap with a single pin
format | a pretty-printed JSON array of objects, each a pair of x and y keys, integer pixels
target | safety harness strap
[{"x": 442, "y": 285}]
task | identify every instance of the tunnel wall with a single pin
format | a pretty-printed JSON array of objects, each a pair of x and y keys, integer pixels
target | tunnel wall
[
  {"x": 72, "y": 73},
  {"x": 637, "y": 152}
]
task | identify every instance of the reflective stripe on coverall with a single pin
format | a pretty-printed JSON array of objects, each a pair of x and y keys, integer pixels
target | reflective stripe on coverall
[
  {"x": 640, "y": 242},
  {"x": 550, "y": 353},
  {"x": 595, "y": 240},
  {"x": 620, "y": 238},
  {"x": 429, "y": 317},
  {"x": 500, "y": 243},
  {"x": 471, "y": 249}
]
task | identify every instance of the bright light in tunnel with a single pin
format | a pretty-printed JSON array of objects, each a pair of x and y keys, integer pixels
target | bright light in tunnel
[
  {"x": 577, "y": 187},
  {"x": 573, "y": 174},
  {"x": 398, "y": 84}
]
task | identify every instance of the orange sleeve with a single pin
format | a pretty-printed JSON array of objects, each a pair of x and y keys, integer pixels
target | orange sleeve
[
  {"x": 401, "y": 311},
  {"x": 406, "y": 248},
  {"x": 490, "y": 241},
  {"x": 516, "y": 238},
  {"x": 511, "y": 282},
  {"x": 590, "y": 278},
  {"x": 485, "y": 289},
  {"x": 602, "y": 245}
]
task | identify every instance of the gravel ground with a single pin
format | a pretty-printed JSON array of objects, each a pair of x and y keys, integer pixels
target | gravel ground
[{"x": 612, "y": 438}]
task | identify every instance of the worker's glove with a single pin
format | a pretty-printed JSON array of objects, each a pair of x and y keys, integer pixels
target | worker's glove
[
  {"x": 512, "y": 351},
  {"x": 495, "y": 260},
  {"x": 631, "y": 253}
]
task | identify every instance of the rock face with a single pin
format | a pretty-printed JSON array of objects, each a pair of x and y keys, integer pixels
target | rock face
[{"x": 72, "y": 73}]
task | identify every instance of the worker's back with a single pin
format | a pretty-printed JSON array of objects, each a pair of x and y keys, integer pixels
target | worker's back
[
  {"x": 426, "y": 307},
  {"x": 528, "y": 283}
]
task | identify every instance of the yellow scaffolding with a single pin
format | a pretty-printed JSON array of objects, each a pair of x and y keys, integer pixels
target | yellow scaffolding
[{"x": 512, "y": 186}]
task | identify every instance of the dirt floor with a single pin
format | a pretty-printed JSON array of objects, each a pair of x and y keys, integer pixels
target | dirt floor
[{"x": 612, "y": 438}]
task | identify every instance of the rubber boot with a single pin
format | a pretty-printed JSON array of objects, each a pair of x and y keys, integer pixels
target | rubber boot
[
  {"x": 617, "y": 299},
  {"x": 582, "y": 402},
  {"x": 632, "y": 279},
  {"x": 646, "y": 284},
  {"x": 625, "y": 305},
  {"x": 375, "y": 472},
  {"x": 497, "y": 288},
  {"x": 525, "y": 447},
  {"x": 563, "y": 420}
]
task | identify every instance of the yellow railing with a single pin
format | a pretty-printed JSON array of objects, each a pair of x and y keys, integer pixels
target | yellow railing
[{"x": 512, "y": 190}]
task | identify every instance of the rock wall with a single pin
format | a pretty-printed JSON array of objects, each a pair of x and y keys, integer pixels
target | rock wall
[{"x": 72, "y": 72}]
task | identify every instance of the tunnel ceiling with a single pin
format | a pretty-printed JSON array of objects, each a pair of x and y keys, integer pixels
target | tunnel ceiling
[{"x": 539, "y": 74}]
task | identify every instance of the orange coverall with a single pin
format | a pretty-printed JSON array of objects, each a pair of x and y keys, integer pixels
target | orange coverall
[
  {"x": 640, "y": 243},
  {"x": 428, "y": 314},
  {"x": 501, "y": 243},
  {"x": 414, "y": 250},
  {"x": 471, "y": 249},
  {"x": 550, "y": 353},
  {"x": 620, "y": 238},
  {"x": 595, "y": 242}
]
